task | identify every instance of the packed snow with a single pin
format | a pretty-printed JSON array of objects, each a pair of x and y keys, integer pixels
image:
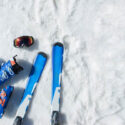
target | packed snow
[{"x": 93, "y": 79}]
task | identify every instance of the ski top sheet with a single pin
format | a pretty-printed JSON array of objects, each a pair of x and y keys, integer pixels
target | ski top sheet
[
  {"x": 34, "y": 77},
  {"x": 57, "y": 63}
]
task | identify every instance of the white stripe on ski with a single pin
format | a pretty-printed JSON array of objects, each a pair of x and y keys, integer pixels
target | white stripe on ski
[
  {"x": 56, "y": 98},
  {"x": 55, "y": 102},
  {"x": 23, "y": 106}
]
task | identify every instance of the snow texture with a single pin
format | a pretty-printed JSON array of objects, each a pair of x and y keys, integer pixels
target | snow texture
[{"x": 93, "y": 34}]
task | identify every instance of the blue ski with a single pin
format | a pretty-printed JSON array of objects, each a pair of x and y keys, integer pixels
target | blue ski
[
  {"x": 31, "y": 85},
  {"x": 57, "y": 63}
]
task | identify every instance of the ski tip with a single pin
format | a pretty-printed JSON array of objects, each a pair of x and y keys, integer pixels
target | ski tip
[
  {"x": 43, "y": 54},
  {"x": 18, "y": 121},
  {"x": 55, "y": 118},
  {"x": 58, "y": 44}
]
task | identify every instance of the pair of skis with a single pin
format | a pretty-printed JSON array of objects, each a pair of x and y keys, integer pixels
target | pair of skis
[{"x": 37, "y": 69}]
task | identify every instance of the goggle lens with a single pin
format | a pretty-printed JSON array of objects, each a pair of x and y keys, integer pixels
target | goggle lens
[{"x": 24, "y": 40}]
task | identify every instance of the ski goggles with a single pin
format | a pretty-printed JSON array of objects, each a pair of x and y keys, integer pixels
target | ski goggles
[{"x": 23, "y": 41}]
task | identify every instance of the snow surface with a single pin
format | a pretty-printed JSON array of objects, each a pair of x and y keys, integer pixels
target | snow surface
[{"x": 93, "y": 33}]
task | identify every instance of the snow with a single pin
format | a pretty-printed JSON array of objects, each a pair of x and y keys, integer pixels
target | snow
[{"x": 93, "y": 34}]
